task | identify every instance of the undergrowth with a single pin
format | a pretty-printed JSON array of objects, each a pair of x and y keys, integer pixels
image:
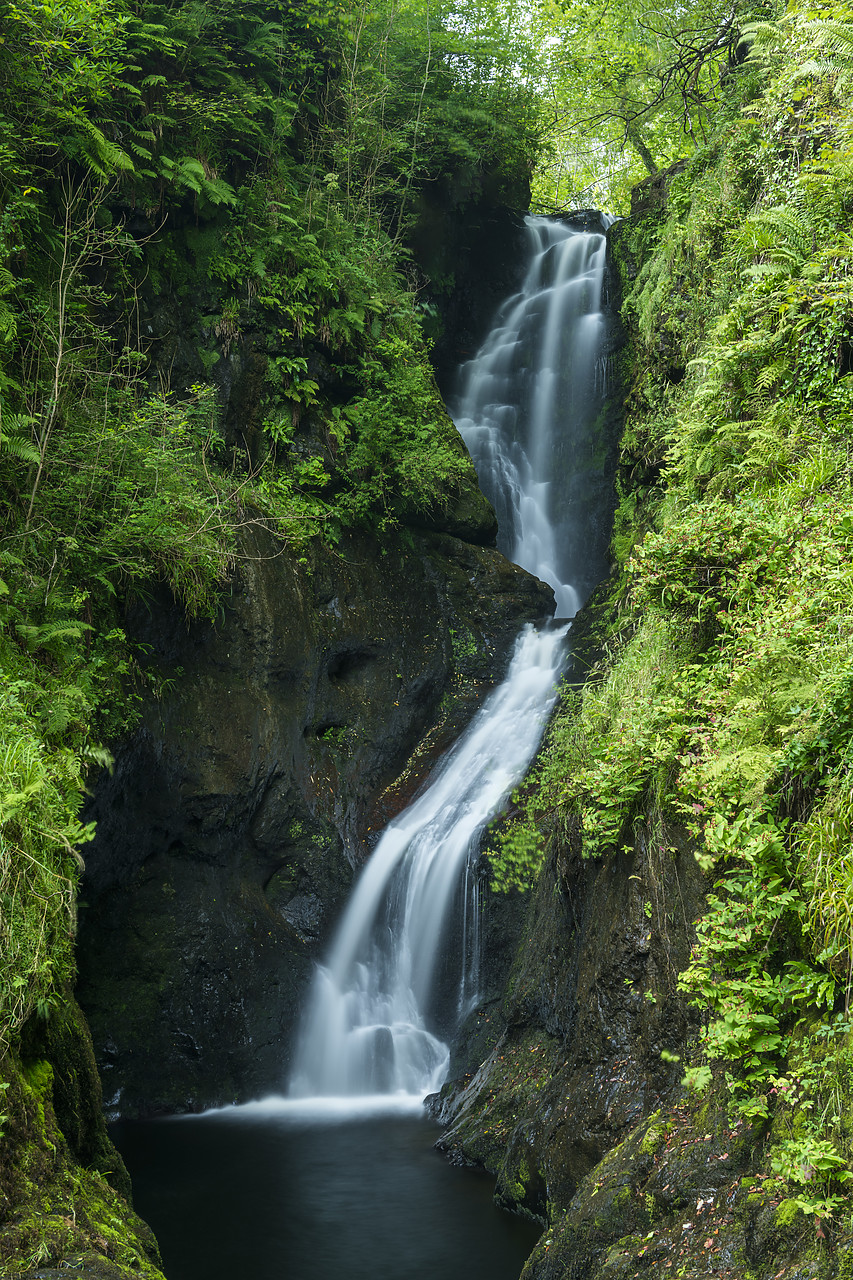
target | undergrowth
[{"x": 725, "y": 704}]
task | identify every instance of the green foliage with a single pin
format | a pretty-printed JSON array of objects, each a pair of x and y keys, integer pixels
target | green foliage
[
  {"x": 515, "y": 851},
  {"x": 403, "y": 446},
  {"x": 40, "y": 796},
  {"x": 632, "y": 88},
  {"x": 723, "y": 705},
  {"x": 137, "y": 499},
  {"x": 810, "y": 1139},
  {"x": 826, "y": 852},
  {"x": 619, "y": 745},
  {"x": 329, "y": 284},
  {"x": 739, "y": 970},
  {"x": 434, "y": 93},
  {"x": 244, "y": 175},
  {"x": 125, "y": 499},
  {"x": 610, "y": 752}
]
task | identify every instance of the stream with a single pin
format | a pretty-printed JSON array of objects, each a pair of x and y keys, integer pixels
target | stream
[{"x": 338, "y": 1177}]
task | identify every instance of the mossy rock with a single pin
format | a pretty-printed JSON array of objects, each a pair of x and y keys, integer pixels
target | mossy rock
[{"x": 62, "y": 1210}]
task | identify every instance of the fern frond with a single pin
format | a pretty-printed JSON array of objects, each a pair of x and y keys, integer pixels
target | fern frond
[
  {"x": 15, "y": 446},
  {"x": 13, "y": 441},
  {"x": 104, "y": 157},
  {"x": 100, "y": 756},
  {"x": 766, "y": 39},
  {"x": 51, "y": 635},
  {"x": 770, "y": 375}
]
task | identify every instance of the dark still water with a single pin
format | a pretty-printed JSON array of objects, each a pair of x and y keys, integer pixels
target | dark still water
[{"x": 262, "y": 1193}]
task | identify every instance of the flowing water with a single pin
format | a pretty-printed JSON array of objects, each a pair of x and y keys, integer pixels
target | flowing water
[
  {"x": 338, "y": 1178},
  {"x": 366, "y": 1031},
  {"x": 532, "y": 390},
  {"x": 530, "y": 404}
]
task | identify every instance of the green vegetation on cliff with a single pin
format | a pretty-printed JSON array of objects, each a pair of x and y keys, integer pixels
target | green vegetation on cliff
[
  {"x": 241, "y": 176},
  {"x": 209, "y": 317},
  {"x": 724, "y": 705}
]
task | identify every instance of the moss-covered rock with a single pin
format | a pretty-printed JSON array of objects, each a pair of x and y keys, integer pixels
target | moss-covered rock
[
  {"x": 589, "y": 1010},
  {"x": 686, "y": 1194},
  {"x": 64, "y": 1191}
]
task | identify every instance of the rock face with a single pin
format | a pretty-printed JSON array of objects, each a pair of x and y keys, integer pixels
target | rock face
[
  {"x": 472, "y": 265},
  {"x": 567, "y": 1085},
  {"x": 575, "y": 1055},
  {"x": 228, "y": 832},
  {"x": 675, "y": 1197},
  {"x": 568, "y": 1090}
]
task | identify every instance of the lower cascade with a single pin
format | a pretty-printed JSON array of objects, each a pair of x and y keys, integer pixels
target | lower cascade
[
  {"x": 536, "y": 382},
  {"x": 366, "y": 1030}
]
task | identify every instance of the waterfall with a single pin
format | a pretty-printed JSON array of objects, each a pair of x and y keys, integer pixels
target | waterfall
[
  {"x": 531, "y": 397},
  {"x": 366, "y": 1032},
  {"x": 532, "y": 391}
]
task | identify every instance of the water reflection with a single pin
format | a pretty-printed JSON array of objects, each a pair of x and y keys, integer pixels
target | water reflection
[{"x": 269, "y": 1193}]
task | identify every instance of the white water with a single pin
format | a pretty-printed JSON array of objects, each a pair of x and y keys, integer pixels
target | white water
[
  {"x": 366, "y": 1034},
  {"x": 533, "y": 389}
]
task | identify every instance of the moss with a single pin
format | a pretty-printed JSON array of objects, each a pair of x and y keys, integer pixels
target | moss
[
  {"x": 77, "y": 1217},
  {"x": 845, "y": 1264},
  {"x": 54, "y": 1213},
  {"x": 655, "y": 1135},
  {"x": 789, "y": 1214},
  {"x": 39, "y": 1077}
]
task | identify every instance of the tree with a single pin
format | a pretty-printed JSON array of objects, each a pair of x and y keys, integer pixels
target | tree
[{"x": 630, "y": 88}]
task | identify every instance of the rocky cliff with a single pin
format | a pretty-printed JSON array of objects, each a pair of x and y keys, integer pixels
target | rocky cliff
[
  {"x": 229, "y": 829},
  {"x": 567, "y": 1085},
  {"x": 649, "y": 1135}
]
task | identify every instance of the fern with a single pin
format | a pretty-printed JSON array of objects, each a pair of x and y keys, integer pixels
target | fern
[
  {"x": 68, "y": 705},
  {"x": 16, "y": 446},
  {"x": 826, "y": 42},
  {"x": 784, "y": 235},
  {"x": 768, "y": 377},
  {"x": 104, "y": 158},
  {"x": 13, "y": 440},
  {"x": 52, "y": 636},
  {"x": 766, "y": 39},
  {"x": 190, "y": 173},
  {"x": 102, "y": 757}
]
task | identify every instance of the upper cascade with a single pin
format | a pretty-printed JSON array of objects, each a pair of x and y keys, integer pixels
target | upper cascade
[{"x": 533, "y": 392}]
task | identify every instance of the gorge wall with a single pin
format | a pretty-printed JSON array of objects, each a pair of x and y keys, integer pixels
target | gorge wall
[
  {"x": 228, "y": 832},
  {"x": 666, "y": 1082},
  {"x": 272, "y": 744}
]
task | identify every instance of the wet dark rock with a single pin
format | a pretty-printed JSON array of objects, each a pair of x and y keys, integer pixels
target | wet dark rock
[
  {"x": 471, "y": 265},
  {"x": 304, "y": 913},
  {"x": 588, "y": 1130},
  {"x": 230, "y": 827},
  {"x": 591, "y": 1004}
]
